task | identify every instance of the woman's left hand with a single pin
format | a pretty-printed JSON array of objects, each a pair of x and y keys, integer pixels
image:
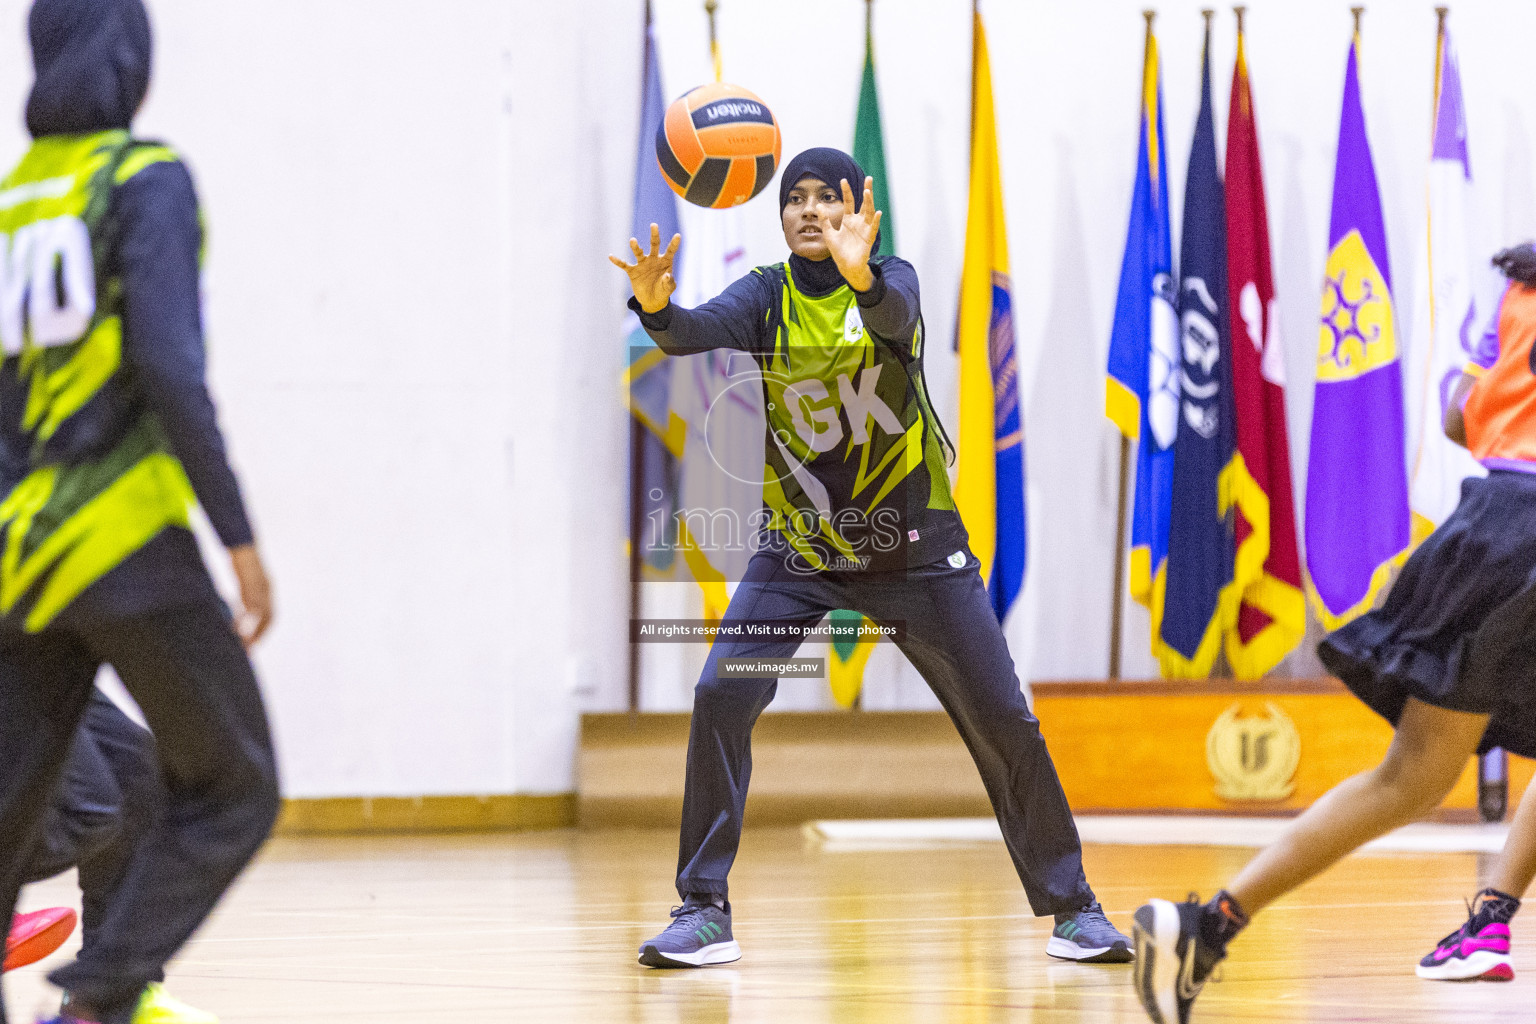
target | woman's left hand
[{"x": 851, "y": 241}]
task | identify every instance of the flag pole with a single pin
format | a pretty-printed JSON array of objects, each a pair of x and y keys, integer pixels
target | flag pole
[
  {"x": 1117, "y": 610},
  {"x": 1440, "y": 66},
  {"x": 1117, "y": 593},
  {"x": 1357, "y": 12},
  {"x": 1440, "y": 13},
  {"x": 975, "y": 13},
  {"x": 636, "y": 518},
  {"x": 710, "y": 7},
  {"x": 636, "y": 484},
  {"x": 1492, "y": 767}
]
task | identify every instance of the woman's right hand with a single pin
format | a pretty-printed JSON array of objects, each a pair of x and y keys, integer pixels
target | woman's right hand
[
  {"x": 651, "y": 274},
  {"x": 255, "y": 594}
]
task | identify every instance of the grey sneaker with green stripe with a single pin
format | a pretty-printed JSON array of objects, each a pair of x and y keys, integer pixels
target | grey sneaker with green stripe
[
  {"x": 699, "y": 936},
  {"x": 1087, "y": 937}
]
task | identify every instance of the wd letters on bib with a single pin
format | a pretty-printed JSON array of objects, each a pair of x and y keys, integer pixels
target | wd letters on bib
[
  {"x": 101, "y": 481},
  {"x": 108, "y": 435}
]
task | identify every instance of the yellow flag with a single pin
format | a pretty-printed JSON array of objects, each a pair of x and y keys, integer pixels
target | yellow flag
[{"x": 988, "y": 376}]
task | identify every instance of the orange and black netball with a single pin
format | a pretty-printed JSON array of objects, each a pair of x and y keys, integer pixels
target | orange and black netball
[{"x": 718, "y": 145}]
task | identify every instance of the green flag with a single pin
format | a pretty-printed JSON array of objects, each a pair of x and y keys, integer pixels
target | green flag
[
  {"x": 869, "y": 144},
  {"x": 850, "y": 652}
]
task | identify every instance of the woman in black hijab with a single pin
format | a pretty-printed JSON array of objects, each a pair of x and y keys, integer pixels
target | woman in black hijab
[
  {"x": 819, "y": 275},
  {"x": 858, "y": 515}
]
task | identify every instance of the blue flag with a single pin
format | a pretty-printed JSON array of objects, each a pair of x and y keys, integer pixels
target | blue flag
[
  {"x": 1197, "y": 600},
  {"x": 649, "y": 373},
  {"x": 1142, "y": 390}
]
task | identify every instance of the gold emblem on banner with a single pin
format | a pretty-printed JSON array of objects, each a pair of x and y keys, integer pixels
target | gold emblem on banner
[{"x": 1253, "y": 757}]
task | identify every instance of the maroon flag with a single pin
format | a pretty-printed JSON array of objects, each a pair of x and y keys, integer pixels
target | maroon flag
[{"x": 1272, "y": 617}]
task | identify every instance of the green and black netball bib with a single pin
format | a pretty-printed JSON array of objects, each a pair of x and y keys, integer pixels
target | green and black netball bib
[
  {"x": 86, "y": 473},
  {"x": 855, "y": 472}
]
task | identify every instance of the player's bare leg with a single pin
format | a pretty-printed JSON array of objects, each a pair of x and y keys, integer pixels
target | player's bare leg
[
  {"x": 1427, "y": 756},
  {"x": 1177, "y": 945}
]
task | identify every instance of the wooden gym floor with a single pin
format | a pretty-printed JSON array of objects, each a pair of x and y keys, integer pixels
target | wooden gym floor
[{"x": 543, "y": 926}]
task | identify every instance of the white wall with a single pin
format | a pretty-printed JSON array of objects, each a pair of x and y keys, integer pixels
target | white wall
[
  {"x": 412, "y": 350},
  {"x": 414, "y": 333}
]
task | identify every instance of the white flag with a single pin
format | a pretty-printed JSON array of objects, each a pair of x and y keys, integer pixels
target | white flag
[
  {"x": 1445, "y": 318},
  {"x": 719, "y": 394}
]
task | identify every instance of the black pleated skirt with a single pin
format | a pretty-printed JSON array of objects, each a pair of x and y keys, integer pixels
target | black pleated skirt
[{"x": 1458, "y": 629}]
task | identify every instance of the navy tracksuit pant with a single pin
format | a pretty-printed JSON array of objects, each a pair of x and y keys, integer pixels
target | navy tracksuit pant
[
  {"x": 188, "y": 672},
  {"x": 952, "y": 637}
]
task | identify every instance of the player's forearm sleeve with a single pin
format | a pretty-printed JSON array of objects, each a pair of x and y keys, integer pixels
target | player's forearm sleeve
[
  {"x": 733, "y": 319},
  {"x": 890, "y": 308},
  {"x": 158, "y": 257}
]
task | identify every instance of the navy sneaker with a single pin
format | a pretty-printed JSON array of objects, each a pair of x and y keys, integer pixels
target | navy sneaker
[
  {"x": 699, "y": 935},
  {"x": 1088, "y": 937},
  {"x": 1172, "y": 960}
]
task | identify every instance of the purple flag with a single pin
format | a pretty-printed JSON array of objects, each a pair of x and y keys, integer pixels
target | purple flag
[{"x": 1357, "y": 484}]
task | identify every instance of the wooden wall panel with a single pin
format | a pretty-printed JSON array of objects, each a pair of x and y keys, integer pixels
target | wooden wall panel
[{"x": 1117, "y": 746}]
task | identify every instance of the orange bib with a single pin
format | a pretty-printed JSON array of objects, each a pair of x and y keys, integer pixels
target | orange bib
[{"x": 1501, "y": 407}]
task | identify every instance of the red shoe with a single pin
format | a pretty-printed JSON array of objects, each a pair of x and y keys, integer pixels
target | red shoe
[{"x": 35, "y": 935}]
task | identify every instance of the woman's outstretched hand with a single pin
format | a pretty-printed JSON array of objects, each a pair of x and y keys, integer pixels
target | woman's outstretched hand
[
  {"x": 851, "y": 241},
  {"x": 650, "y": 276}
]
